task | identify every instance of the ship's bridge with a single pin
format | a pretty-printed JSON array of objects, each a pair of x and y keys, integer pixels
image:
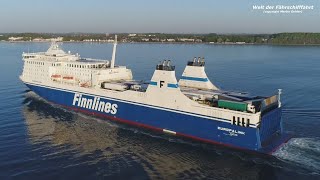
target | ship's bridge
[{"x": 54, "y": 53}]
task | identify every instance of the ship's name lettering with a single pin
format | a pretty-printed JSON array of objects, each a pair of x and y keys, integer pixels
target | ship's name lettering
[
  {"x": 233, "y": 131},
  {"x": 94, "y": 103}
]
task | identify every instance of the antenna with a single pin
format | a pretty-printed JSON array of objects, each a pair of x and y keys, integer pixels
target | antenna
[
  {"x": 114, "y": 52},
  {"x": 279, "y": 99},
  {"x": 29, "y": 43}
]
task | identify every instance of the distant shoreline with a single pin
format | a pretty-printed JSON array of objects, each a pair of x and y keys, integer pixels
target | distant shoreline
[
  {"x": 189, "y": 43},
  {"x": 300, "y": 38}
]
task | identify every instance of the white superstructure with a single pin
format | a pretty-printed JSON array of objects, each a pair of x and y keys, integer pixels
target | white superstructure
[{"x": 55, "y": 65}]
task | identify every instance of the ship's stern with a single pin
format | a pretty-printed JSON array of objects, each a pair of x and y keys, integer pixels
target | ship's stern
[{"x": 271, "y": 133}]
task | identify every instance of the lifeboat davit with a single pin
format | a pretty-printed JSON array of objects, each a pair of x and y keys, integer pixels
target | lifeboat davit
[{"x": 85, "y": 84}]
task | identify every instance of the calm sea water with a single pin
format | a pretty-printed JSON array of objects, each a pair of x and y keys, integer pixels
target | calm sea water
[{"x": 39, "y": 140}]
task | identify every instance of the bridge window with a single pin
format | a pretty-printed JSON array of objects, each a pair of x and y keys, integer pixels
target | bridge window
[
  {"x": 248, "y": 122},
  {"x": 234, "y": 120}
]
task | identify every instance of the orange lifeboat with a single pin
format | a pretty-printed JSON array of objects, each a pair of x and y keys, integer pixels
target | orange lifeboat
[
  {"x": 55, "y": 76},
  {"x": 68, "y": 77}
]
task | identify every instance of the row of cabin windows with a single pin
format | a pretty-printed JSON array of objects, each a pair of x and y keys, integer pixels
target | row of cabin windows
[
  {"x": 30, "y": 72},
  {"x": 73, "y": 73},
  {"x": 34, "y": 62},
  {"x": 35, "y": 68},
  {"x": 80, "y": 66},
  {"x": 84, "y": 66},
  {"x": 35, "y": 75},
  {"x": 27, "y": 57},
  {"x": 240, "y": 121}
]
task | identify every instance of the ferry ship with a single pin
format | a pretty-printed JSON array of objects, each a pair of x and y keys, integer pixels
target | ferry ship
[{"x": 192, "y": 107}]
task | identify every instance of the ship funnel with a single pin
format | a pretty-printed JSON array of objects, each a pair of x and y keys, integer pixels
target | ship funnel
[
  {"x": 163, "y": 87},
  {"x": 114, "y": 52},
  {"x": 164, "y": 78},
  {"x": 195, "y": 76}
]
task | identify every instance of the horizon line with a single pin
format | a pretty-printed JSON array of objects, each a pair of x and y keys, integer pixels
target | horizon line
[{"x": 193, "y": 33}]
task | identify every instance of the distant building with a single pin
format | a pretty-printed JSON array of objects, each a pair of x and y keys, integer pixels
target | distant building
[
  {"x": 47, "y": 40},
  {"x": 15, "y": 38},
  {"x": 124, "y": 40},
  {"x": 110, "y": 40},
  {"x": 171, "y": 40},
  {"x": 145, "y": 39},
  {"x": 91, "y": 40},
  {"x": 198, "y": 40},
  {"x": 132, "y": 35},
  {"x": 186, "y": 40},
  {"x": 56, "y": 39},
  {"x": 38, "y": 40}
]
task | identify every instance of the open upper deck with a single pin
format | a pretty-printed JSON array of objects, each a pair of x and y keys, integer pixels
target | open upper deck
[{"x": 56, "y": 55}]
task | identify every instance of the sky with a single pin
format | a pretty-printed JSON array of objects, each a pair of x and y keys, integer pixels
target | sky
[{"x": 163, "y": 16}]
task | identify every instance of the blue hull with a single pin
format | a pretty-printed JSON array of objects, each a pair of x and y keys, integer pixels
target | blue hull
[{"x": 211, "y": 131}]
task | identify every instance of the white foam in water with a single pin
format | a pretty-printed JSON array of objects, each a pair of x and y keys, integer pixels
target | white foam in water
[{"x": 302, "y": 151}]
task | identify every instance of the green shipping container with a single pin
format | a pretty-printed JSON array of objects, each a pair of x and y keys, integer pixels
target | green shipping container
[{"x": 238, "y": 106}]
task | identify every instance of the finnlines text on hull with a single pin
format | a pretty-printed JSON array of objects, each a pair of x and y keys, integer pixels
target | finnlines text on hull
[{"x": 94, "y": 103}]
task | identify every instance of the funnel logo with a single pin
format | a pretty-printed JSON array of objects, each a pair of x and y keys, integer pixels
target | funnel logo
[
  {"x": 94, "y": 104},
  {"x": 161, "y": 84}
]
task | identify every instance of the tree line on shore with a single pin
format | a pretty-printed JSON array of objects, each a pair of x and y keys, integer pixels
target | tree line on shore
[{"x": 276, "y": 39}]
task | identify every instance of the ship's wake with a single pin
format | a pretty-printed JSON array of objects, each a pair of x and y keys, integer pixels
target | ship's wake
[
  {"x": 304, "y": 112},
  {"x": 304, "y": 152}
]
